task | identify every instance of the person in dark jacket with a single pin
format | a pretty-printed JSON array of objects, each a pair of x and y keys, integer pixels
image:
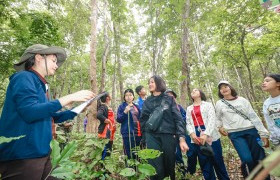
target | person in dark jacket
[
  {"x": 28, "y": 112},
  {"x": 164, "y": 137},
  {"x": 107, "y": 127},
  {"x": 128, "y": 116},
  {"x": 179, "y": 158}
]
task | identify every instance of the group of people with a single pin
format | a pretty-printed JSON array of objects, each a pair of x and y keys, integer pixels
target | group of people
[
  {"x": 201, "y": 124},
  {"x": 156, "y": 122}
]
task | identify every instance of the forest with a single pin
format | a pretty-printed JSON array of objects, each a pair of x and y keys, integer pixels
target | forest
[{"x": 113, "y": 45}]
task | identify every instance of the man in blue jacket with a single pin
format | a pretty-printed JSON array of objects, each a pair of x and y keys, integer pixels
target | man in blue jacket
[{"x": 27, "y": 111}]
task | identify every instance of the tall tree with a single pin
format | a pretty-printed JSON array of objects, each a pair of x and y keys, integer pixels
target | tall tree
[
  {"x": 92, "y": 125},
  {"x": 185, "y": 50}
]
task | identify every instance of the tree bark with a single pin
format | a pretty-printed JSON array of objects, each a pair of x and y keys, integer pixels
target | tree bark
[
  {"x": 92, "y": 124},
  {"x": 104, "y": 57},
  {"x": 185, "y": 50},
  {"x": 119, "y": 63},
  {"x": 114, "y": 85},
  {"x": 248, "y": 66}
]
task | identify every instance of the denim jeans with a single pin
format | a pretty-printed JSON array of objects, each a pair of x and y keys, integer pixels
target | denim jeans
[
  {"x": 218, "y": 161},
  {"x": 248, "y": 149},
  {"x": 205, "y": 162}
]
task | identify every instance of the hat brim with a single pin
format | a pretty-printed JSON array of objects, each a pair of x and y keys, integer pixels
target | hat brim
[{"x": 58, "y": 51}]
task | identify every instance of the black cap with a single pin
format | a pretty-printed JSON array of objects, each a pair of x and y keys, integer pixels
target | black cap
[{"x": 171, "y": 91}]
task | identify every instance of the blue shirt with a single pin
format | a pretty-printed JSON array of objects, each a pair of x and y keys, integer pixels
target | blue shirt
[
  {"x": 28, "y": 112},
  {"x": 139, "y": 102}
]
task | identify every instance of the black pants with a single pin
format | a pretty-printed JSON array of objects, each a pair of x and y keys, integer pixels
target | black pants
[
  {"x": 26, "y": 169},
  {"x": 165, "y": 163}
]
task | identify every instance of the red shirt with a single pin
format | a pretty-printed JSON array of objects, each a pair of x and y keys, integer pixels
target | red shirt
[{"x": 196, "y": 113}]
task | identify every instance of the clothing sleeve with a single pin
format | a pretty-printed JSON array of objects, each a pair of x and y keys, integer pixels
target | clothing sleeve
[
  {"x": 256, "y": 121},
  {"x": 180, "y": 124},
  {"x": 190, "y": 125},
  {"x": 219, "y": 122},
  {"x": 60, "y": 117},
  {"x": 26, "y": 97},
  {"x": 274, "y": 139},
  {"x": 144, "y": 115},
  {"x": 183, "y": 113},
  {"x": 121, "y": 116},
  {"x": 100, "y": 114},
  {"x": 211, "y": 119}
]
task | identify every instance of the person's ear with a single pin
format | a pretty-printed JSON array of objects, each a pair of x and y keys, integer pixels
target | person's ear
[
  {"x": 38, "y": 58},
  {"x": 278, "y": 85}
]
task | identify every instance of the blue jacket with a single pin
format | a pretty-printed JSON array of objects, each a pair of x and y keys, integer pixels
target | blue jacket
[
  {"x": 28, "y": 112},
  {"x": 123, "y": 119},
  {"x": 183, "y": 112},
  {"x": 139, "y": 102}
]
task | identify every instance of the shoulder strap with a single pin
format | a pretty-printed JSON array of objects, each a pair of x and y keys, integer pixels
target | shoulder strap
[{"x": 235, "y": 110}]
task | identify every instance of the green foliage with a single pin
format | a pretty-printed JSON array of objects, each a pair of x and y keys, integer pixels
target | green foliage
[
  {"x": 7, "y": 140},
  {"x": 61, "y": 168},
  {"x": 81, "y": 159},
  {"x": 271, "y": 158},
  {"x": 127, "y": 172}
]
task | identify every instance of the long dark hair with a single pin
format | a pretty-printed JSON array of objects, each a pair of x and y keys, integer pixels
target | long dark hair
[
  {"x": 233, "y": 91},
  {"x": 160, "y": 83},
  {"x": 202, "y": 95},
  {"x": 128, "y": 90}
]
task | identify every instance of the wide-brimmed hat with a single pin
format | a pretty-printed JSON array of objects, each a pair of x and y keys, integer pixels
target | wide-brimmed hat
[
  {"x": 172, "y": 92},
  {"x": 223, "y": 82},
  {"x": 43, "y": 50}
]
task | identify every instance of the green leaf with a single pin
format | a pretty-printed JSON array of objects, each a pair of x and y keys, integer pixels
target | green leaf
[
  {"x": 55, "y": 155},
  {"x": 147, "y": 169},
  {"x": 62, "y": 173},
  {"x": 148, "y": 154},
  {"x": 127, "y": 172},
  {"x": 68, "y": 151},
  {"x": 7, "y": 140}
]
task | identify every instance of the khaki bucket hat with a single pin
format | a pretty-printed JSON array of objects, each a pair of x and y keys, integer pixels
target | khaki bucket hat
[{"x": 43, "y": 50}]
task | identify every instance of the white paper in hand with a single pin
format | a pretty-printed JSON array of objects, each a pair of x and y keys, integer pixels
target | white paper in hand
[{"x": 82, "y": 106}]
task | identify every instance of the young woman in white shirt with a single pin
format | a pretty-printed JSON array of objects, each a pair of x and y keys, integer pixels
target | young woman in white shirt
[
  {"x": 237, "y": 120},
  {"x": 201, "y": 118}
]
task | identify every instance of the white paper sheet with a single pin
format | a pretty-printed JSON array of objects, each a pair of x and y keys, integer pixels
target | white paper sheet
[{"x": 82, "y": 106}]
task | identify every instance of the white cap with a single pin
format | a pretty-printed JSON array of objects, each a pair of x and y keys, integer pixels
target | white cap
[{"x": 223, "y": 82}]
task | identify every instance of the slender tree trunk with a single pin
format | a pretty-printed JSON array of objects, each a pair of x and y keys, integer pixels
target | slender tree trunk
[
  {"x": 114, "y": 85},
  {"x": 104, "y": 57},
  {"x": 154, "y": 38},
  {"x": 63, "y": 78},
  {"x": 185, "y": 86},
  {"x": 248, "y": 66},
  {"x": 92, "y": 124},
  {"x": 119, "y": 63}
]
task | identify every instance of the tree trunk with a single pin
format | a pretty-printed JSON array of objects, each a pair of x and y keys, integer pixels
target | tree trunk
[
  {"x": 185, "y": 50},
  {"x": 114, "y": 85},
  {"x": 119, "y": 64},
  {"x": 63, "y": 79},
  {"x": 92, "y": 124},
  {"x": 104, "y": 57},
  {"x": 248, "y": 66}
]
